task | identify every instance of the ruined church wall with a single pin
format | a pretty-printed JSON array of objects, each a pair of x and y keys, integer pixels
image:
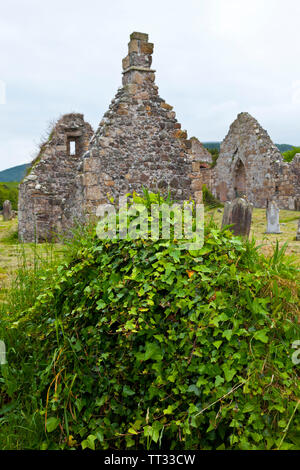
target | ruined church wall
[
  {"x": 48, "y": 201},
  {"x": 250, "y": 164},
  {"x": 139, "y": 142}
]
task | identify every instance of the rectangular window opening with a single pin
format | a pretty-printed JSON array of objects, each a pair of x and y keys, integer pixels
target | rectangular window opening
[{"x": 72, "y": 147}]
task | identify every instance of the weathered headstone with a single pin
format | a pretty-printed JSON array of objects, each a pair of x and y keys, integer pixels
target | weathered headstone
[
  {"x": 298, "y": 232},
  {"x": 272, "y": 213},
  {"x": 239, "y": 213},
  {"x": 7, "y": 211}
]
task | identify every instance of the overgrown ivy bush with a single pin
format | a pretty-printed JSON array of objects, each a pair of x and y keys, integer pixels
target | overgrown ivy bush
[{"x": 137, "y": 344}]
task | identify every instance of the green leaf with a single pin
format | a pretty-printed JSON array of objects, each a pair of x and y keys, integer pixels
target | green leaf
[
  {"x": 52, "y": 424},
  {"x": 248, "y": 408},
  {"x": 89, "y": 442},
  {"x": 219, "y": 380},
  {"x": 101, "y": 304},
  {"x": 227, "y": 334},
  {"x": 132, "y": 431},
  {"x": 261, "y": 335},
  {"x": 194, "y": 389},
  {"x": 127, "y": 392},
  {"x": 153, "y": 352},
  {"x": 229, "y": 373}
]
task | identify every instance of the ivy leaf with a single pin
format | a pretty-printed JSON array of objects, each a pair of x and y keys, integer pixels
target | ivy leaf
[
  {"x": 194, "y": 389},
  {"x": 248, "y": 408},
  {"x": 219, "y": 380},
  {"x": 227, "y": 334},
  {"x": 153, "y": 351},
  {"x": 101, "y": 304},
  {"x": 229, "y": 373},
  {"x": 89, "y": 442},
  {"x": 261, "y": 336},
  {"x": 127, "y": 392}
]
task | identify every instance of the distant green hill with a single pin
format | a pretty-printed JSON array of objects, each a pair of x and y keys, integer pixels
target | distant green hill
[
  {"x": 284, "y": 147},
  {"x": 15, "y": 173},
  {"x": 216, "y": 145}
]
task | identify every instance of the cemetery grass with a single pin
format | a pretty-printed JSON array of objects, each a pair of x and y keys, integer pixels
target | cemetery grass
[
  {"x": 29, "y": 267},
  {"x": 288, "y": 224}
]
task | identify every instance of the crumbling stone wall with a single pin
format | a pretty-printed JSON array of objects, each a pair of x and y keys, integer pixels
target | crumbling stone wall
[
  {"x": 251, "y": 165},
  {"x": 139, "y": 141},
  {"x": 48, "y": 196},
  {"x": 200, "y": 153}
]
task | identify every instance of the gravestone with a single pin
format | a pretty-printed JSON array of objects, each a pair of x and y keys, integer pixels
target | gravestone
[
  {"x": 272, "y": 213},
  {"x": 298, "y": 232},
  {"x": 7, "y": 211},
  {"x": 239, "y": 214}
]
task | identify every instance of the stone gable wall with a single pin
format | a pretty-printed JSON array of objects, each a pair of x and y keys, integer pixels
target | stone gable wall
[
  {"x": 139, "y": 141},
  {"x": 250, "y": 163},
  {"x": 48, "y": 201}
]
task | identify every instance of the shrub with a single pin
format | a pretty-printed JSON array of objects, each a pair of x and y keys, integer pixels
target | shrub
[
  {"x": 208, "y": 199},
  {"x": 138, "y": 344},
  {"x": 289, "y": 155},
  {"x": 9, "y": 191},
  {"x": 215, "y": 152}
]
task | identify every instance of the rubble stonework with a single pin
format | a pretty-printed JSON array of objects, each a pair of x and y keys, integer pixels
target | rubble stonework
[
  {"x": 251, "y": 165},
  {"x": 139, "y": 141},
  {"x": 47, "y": 195},
  {"x": 200, "y": 153}
]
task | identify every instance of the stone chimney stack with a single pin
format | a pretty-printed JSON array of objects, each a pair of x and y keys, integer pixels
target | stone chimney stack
[{"x": 136, "y": 65}]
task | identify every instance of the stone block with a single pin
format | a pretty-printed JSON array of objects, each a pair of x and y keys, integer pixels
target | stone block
[
  {"x": 179, "y": 134},
  {"x": 125, "y": 62},
  {"x": 137, "y": 77},
  {"x": 94, "y": 193},
  {"x": 141, "y": 36},
  {"x": 146, "y": 48},
  {"x": 166, "y": 106},
  {"x": 196, "y": 166},
  {"x": 197, "y": 184},
  {"x": 90, "y": 164},
  {"x": 133, "y": 46}
]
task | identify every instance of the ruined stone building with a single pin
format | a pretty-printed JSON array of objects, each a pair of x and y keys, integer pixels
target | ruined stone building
[
  {"x": 251, "y": 165},
  {"x": 47, "y": 195},
  {"x": 139, "y": 143}
]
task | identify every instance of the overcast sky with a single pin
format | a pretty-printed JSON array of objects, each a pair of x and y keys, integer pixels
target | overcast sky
[{"x": 214, "y": 59}]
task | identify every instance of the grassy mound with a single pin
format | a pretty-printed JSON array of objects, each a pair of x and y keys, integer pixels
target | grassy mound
[{"x": 136, "y": 344}]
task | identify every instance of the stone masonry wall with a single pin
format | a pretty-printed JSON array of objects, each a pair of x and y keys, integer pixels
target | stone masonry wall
[
  {"x": 139, "y": 141},
  {"x": 250, "y": 164},
  {"x": 48, "y": 198}
]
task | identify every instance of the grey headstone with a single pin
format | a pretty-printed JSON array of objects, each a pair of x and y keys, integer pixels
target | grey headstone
[
  {"x": 272, "y": 213},
  {"x": 298, "y": 232},
  {"x": 239, "y": 213},
  {"x": 7, "y": 211}
]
